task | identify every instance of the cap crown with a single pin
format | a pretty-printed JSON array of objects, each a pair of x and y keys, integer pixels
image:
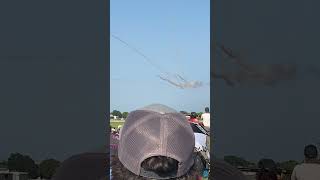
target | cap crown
[{"x": 152, "y": 131}]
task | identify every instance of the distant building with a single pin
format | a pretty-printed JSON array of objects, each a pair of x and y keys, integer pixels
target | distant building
[
  {"x": 10, "y": 175},
  {"x": 113, "y": 117}
]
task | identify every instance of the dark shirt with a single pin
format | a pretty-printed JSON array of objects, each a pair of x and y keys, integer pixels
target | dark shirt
[
  {"x": 86, "y": 166},
  {"x": 224, "y": 171}
]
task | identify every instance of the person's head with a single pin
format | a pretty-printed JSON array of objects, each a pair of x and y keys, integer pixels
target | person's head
[
  {"x": 223, "y": 171},
  {"x": 206, "y": 110},
  {"x": 310, "y": 152},
  {"x": 267, "y": 170},
  {"x": 193, "y": 115},
  {"x": 83, "y": 167},
  {"x": 155, "y": 144}
]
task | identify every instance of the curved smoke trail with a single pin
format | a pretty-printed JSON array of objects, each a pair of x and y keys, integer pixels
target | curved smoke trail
[{"x": 179, "y": 81}]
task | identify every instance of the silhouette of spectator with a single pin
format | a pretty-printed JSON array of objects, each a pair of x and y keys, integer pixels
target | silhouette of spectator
[
  {"x": 224, "y": 171},
  {"x": 267, "y": 170},
  {"x": 193, "y": 117},
  {"x": 206, "y": 118},
  {"x": 206, "y": 123},
  {"x": 310, "y": 168},
  {"x": 86, "y": 166}
]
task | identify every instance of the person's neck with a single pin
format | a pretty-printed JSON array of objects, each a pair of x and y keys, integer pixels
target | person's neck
[{"x": 312, "y": 161}]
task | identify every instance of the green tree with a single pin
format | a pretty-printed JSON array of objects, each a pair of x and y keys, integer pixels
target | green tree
[
  {"x": 48, "y": 168},
  {"x": 237, "y": 161},
  {"x": 23, "y": 163},
  {"x": 117, "y": 113},
  {"x": 125, "y": 114}
]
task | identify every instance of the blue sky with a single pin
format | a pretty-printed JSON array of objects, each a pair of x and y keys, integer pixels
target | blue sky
[{"x": 175, "y": 34}]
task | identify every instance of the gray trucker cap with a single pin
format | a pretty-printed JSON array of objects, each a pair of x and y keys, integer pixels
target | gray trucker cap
[{"x": 156, "y": 130}]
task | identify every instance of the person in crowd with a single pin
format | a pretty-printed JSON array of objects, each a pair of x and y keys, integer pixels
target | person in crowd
[
  {"x": 310, "y": 168},
  {"x": 221, "y": 170},
  {"x": 160, "y": 138},
  {"x": 155, "y": 144},
  {"x": 84, "y": 166},
  {"x": 193, "y": 117},
  {"x": 206, "y": 118},
  {"x": 206, "y": 123},
  {"x": 267, "y": 170}
]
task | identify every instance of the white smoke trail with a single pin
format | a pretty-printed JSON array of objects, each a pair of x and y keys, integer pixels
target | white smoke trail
[
  {"x": 178, "y": 81},
  {"x": 184, "y": 84},
  {"x": 255, "y": 74}
]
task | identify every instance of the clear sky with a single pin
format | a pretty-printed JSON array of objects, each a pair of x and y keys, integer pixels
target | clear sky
[{"x": 175, "y": 34}]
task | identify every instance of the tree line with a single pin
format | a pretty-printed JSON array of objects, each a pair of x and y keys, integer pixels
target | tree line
[
  {"x": 125, "y": 114},
  {"x": 119, "y": 114},
  {"x": 24, "y": 163},
  {"x": 287, "y": 166}
]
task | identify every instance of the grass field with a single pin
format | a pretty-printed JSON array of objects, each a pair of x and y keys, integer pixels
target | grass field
[{"x": 115, "y": 124}]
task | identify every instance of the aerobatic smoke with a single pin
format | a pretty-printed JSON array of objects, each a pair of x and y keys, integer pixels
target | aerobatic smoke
[
  {"x": 254, "y": 74},
  {"x": 175, "y": 80},
  {"x": 269, "y": 75},
  {"x": 184, "y": 84}
]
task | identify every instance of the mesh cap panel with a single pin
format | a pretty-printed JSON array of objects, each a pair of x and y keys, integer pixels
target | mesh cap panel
[
  {"x": 162, "y": 109},
  {"x": 148, "y": 133}
]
